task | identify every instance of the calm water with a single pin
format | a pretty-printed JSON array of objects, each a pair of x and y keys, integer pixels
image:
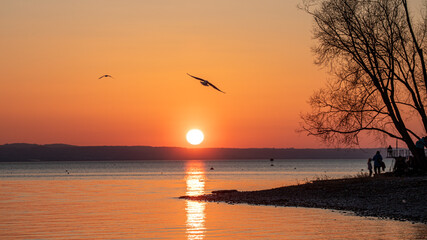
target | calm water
[{"x": 138, "y": 200}]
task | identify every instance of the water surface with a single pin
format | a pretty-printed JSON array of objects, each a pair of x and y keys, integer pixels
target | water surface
[{"x": 138, "y": 200}]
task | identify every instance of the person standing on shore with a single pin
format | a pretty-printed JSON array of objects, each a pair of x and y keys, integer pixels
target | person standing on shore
[
  {"x": 420, "y": 144},
  {"x": 389, "y": 151},
  {"x": 377, "y": 162},
  {"x": 370, "y": 167}
]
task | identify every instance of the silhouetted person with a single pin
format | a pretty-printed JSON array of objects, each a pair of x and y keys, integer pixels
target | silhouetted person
[
  {"x": 378, "y": 159},
  {"x": 420, "y": 144},
  {"x": 370, "y": 167},
  {"x": 389, "y": 151}
]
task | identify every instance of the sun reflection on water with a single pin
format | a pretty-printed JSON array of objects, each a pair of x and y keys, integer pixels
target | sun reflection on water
[{"x": 195, "y": 181}]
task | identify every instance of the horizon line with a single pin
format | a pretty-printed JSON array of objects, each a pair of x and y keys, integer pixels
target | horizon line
[{"x": 199, "y": 147}]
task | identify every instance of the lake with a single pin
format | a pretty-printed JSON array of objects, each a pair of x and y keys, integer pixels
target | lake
[{"x": 139, "y": 200}]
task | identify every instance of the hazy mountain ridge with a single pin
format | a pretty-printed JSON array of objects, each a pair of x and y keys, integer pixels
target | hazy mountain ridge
[{"x": 64, "y": 152}]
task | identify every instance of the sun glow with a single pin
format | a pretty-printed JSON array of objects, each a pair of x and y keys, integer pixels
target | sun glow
[
  {"x": 195, "y": 136},
  {"x": 195, "y": 179}
]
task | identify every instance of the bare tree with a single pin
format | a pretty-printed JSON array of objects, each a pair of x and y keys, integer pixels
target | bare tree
[{"x": 375, "y": 50}]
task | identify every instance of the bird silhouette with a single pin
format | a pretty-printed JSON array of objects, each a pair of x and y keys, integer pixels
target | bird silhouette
[
  {"x": 105, "y": 76},
  {"x": 205, "y": 82}
]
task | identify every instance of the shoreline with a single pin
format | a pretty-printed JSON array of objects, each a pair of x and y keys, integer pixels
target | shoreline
[{"x": 398, "y": 198}]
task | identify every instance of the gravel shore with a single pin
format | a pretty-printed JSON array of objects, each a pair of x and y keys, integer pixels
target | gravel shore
[{"x": 383, "y": 197}]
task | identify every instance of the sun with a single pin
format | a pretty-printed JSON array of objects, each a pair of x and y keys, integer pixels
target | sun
[{"x": 195, "y": 136}]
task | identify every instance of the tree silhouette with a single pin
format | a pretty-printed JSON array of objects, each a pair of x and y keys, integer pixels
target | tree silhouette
[{"x": 375, "y": 51}]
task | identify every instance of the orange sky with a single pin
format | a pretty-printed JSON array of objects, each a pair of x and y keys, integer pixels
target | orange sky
[{"x": 258, "y": 52}]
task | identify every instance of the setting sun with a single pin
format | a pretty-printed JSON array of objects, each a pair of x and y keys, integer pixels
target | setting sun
[{"x": 195, "y": 136}]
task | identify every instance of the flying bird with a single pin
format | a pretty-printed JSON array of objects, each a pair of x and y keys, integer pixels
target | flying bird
[
  {"x": 205, "y": 82},
  {"x": 105, "y": 76}
]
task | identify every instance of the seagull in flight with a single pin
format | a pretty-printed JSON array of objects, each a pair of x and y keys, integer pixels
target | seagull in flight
[
  {"x": 205, "y": 82},
  {"x": 105, "y": 76}
]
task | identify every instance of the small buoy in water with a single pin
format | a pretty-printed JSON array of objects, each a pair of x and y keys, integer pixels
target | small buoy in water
[
  {"x": 271, "y": 159},
  {"x": 295, "y": 168},
  {"x": 403, "y": 201},
  {"x": 272, "y": 165},
  {"x": 212, "y": 168}
]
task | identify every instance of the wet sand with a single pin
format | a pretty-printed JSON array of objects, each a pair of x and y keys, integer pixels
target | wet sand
[{"x": 383, "y": 197}]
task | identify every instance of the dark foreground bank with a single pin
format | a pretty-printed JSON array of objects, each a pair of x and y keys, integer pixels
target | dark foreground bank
[{"x": 384, "y": 197}]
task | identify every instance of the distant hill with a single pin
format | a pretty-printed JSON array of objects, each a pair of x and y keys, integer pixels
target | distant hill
[{"x": 62, "y": 152}]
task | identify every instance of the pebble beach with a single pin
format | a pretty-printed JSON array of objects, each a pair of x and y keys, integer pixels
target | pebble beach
[{"x": 400, "y": 198}]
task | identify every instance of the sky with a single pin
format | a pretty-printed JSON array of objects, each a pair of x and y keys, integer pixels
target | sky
[{"x": 258, "y": 52}]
